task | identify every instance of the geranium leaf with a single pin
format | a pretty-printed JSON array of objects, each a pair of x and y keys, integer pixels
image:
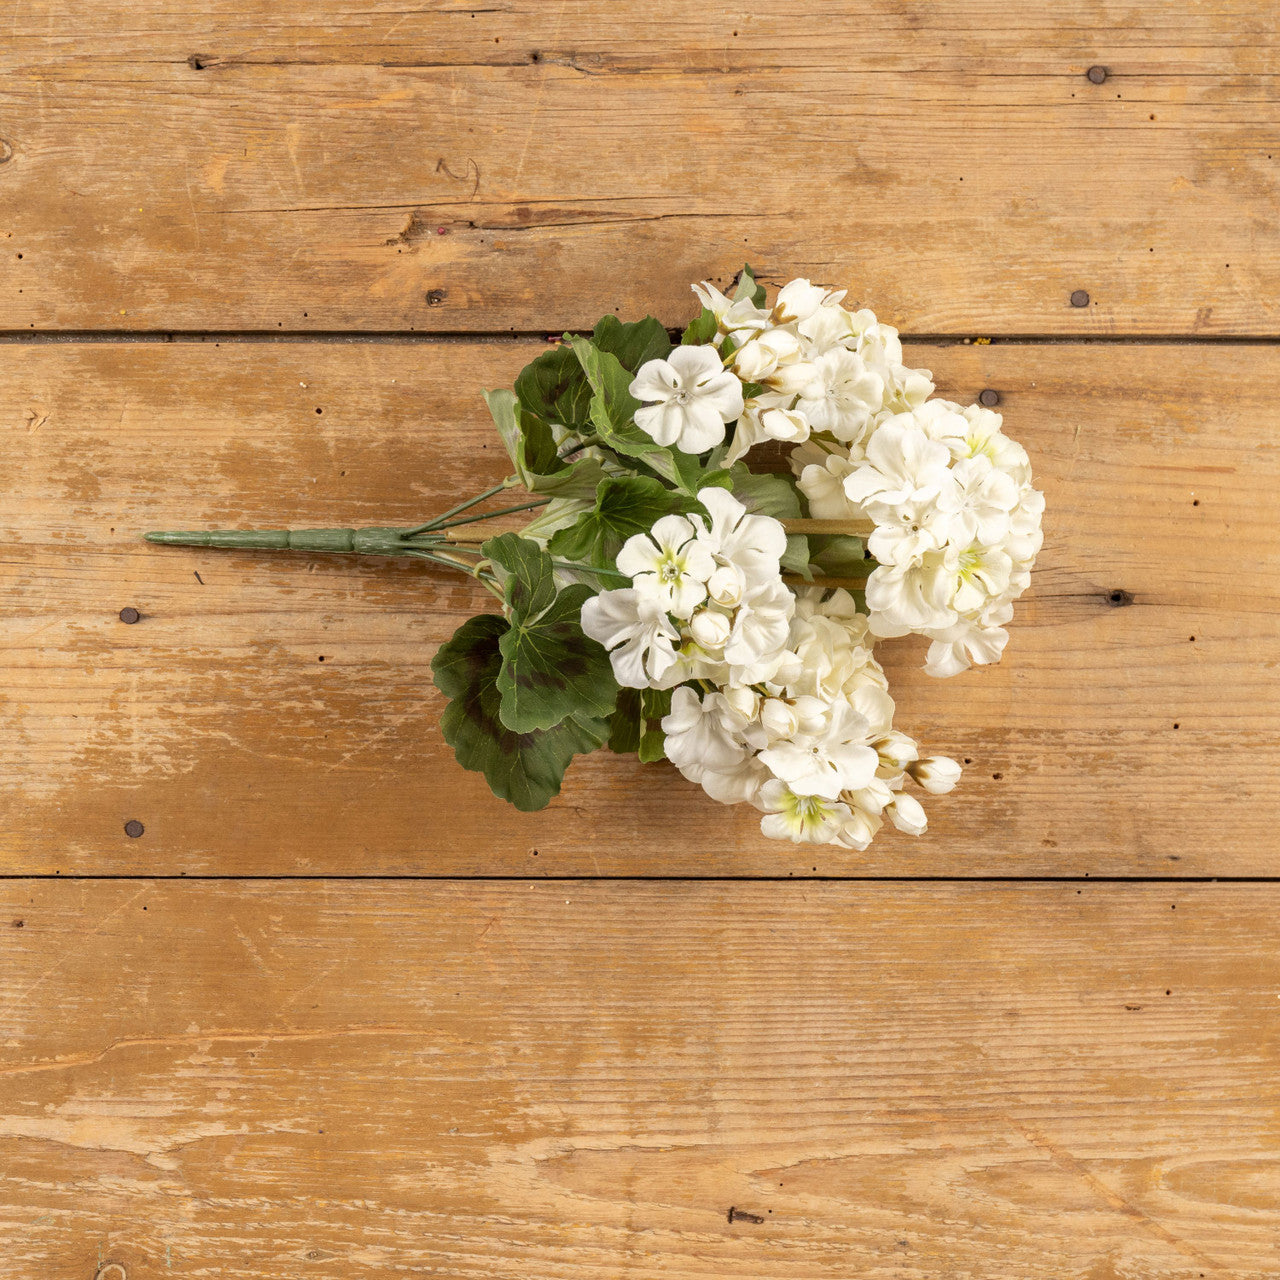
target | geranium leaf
[
  {"x": 766, "y": 493},
  {"x": 624, "y": 506},
  {"x": 654, "y": 704},
  {"x": 748, "y": 288},
  {"x": 624, "y": 724},
  {"x": 633, "y": 344},
  {"x": 523, "y": 768},
  {"x": 528, "y": 578},
  {"x": 552, "y": 670},
  {"x": 702, "y": 329},
  {"x": 553, "y": 388},
  {"x": 839, "y": 555}
]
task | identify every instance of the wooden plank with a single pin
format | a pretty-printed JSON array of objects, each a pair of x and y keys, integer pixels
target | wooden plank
[
  {"x": 580, "y": 1080},
  {"x": 530, "y": 166},
  {"x": 275, "y": 713}
]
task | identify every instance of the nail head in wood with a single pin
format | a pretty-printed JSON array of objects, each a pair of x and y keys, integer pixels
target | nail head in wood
[
  {"x": 989, "y": 398},
  {"x": 1097, "y": 75},
  {"x": 1079, "y": 298},
  {"x": 129, "y": 615},
  {"x": 133, "y": 828}
]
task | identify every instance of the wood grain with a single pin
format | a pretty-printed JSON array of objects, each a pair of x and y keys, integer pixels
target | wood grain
[
  {"x": 276, "y": 714},
  {"x": 529, "y": 166},
  {"x": 581, "y": 1079}
]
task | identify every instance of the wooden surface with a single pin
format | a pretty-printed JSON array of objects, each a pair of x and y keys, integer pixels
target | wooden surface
[
  {"x": 276, "y": 713},
  {"x": 380, "y": 1062},
  {"x": 531, "y": 165},
  {"x": 581, "y": 1079}
]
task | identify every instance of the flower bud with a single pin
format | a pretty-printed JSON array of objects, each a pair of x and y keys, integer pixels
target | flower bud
[
  {"x": 726, "y": 585},
  {"x": 710, "y": 628},
  {"x": 859, "y": 829},
  {"x": 744, "y": 701},
  {"x": 936, "y": 774},
  {"x": 907, "y": 814},
  {"x": 784, "y": 424},
  {"x": 896, "y": 751},
  {"x": 778, "y": 719}
]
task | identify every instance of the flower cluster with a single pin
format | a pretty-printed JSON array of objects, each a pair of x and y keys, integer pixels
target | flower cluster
[
  {"x": 706, "y": 601},
  {"x": 956, "y": 524},
  {"x": 805, "y": 365},
  {"x": 778, "y": 700},
  {"x": 671, "y": 601}
]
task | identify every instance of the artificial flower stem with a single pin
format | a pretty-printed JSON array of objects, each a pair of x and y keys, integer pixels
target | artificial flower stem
[
  {"x": 489, "y": 515},
  {"x": 508, "y": 483},
  {"x": 824, "y": 580},
  {"x": 370, "y": 542},
  {"x": 475, "y": 571},
  {"x": 850, "y": 528}
]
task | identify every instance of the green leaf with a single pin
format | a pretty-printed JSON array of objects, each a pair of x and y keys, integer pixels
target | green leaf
[
  {"x": 502, "y": 407},
  {"x": 624, "y": 724},
  {"x": 654, "y": 704},
  {"x": 523, "y": 768},
  {"x": 702, "y": 329},
  {"x": 530, "y": 443},
  {"x": 748, "y": 288},
  {"x": 795, "y": 559},
  {"x": 624, "y": 506},
  {"x": 632, "y": 344},
  {"x": 767, "y": 493},
  {"x": 637, "y": 723},
  {"x": 553, "y": 388},
  {"x": 613, "y": 407},
  {"x": 839, "y": 555},
  {"x": 579, "y": 479},
  {"x": 528, "y": 579},
  {"x": 552, "y": 670}
]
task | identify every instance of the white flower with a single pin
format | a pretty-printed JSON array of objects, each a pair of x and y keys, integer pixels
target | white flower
[
  {"x": 897, "y": 752},
  {"x": 903, "y": 465},
  {"x": 759, "y": 634},
  {"x": 843, "y": 395},
  {"x": 963, "y": 644},
  {"x": 762, "y": 419},
  {"x": 696, "y": 738},
  {"x": 637, "y": 632},
  {"x": 822, "y": 483},
  {"x": 802, "y": 819},
  {"x": 737, "y": 320},
  {"x": 859, "y": 828},
  {"x": 911, "y": 597},
  {"x": 669, "y": 565},
  {"x": 827, "y": 764},
  {"x": 975, "y": 576},
  {"x": 690, "y": 397},
  {"x": 936, "y": 774},
  {"x": 906, "y": 530},
  {"x": 981, "y": 502},
  {"x": 752, "y": 543}
]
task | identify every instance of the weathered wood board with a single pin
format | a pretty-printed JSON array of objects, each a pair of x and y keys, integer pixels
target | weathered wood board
[
  {"x": 581, "y": 1079},
  {"x": 276, "y": 714},
  {"x": 526, "y": 165}
]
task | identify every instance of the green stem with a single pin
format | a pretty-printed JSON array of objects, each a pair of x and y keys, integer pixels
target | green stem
[
  {"x": 488, "y": 515},
  {"x": 462, "y": 506},
  {"x": 474, "y": 571},
  {"x": 586, "y": 568}
]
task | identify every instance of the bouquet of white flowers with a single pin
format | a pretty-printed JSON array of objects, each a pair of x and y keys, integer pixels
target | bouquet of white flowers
[{"x": 664, "y": 598}]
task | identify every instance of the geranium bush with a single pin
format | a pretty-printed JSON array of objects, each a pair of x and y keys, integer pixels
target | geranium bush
[{"x": 664, "y": 598}]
